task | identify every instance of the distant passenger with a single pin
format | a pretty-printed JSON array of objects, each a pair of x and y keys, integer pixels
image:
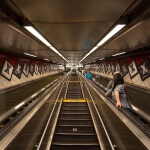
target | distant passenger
[
  {"x": 83, "y": 71},
  {"x": 118, "y": 92},
  {"x": 88, "y": 75}
]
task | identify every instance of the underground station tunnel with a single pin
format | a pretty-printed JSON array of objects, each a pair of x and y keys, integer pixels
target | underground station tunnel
[{"x": 74, "y": 75}]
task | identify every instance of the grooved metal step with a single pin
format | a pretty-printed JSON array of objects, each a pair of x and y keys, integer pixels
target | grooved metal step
[
  {"x": 70, "y": 107},
  {"x": 63, "y": 121},
  {"x": 75, "y": 116},
  {"x": 75, "y": 137},
  {"x": 74, "y": 129},
  {"x": 74, "y": 111},
  {"x": 75, "y": 146}
]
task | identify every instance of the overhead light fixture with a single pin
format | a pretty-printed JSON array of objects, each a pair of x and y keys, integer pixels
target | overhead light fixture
[
  {"x": 40, "y": 37},
  {"x": 92, "y": 50},
  {"x": 118, "y": 53},
  {"x": 46, "y": 59},
  {"x": 55, "y": 50},
  {"x": 30, "y": 54},
  {"x": 37, "y": 34},
  {"x": 101, "y": 58},
  {"x": 116, "y": 29}
]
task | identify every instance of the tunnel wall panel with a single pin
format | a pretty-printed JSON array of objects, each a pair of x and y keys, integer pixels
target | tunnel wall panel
[
  {"x": 18, "y": 69},
  {"x": 134, "y": 68}
]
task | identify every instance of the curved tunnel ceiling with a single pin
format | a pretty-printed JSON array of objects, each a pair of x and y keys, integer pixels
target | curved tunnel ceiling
[{"x": 73, "y": 28}]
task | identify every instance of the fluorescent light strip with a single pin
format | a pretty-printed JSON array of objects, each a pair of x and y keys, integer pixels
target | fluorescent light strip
[
  {"x": 37, "y": 34},
  {"x": 40, "y": 37},
  {"x": 46, "y": 59},
  {"x": 118, "y": 54},
  {"x": 93, "y": 49},
  {"x": 116, "y": 29},
  {"x": 54, "y": 49},
  {"x": 30, "y": 54},
  {"x": 101, "y": 58}
]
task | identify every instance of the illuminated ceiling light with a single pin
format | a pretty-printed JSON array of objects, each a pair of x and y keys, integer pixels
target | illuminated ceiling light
[
  {"x": 101, "y": 58},
  {"x": 30, "y": 54},
  {"x": 118, "y": 53},
  {"x": 55, "y": 50},
  {"x": 46, "y": 59},
  {"x": 37, "y": 34},
  {"x": 41, "y": 38},
  {"x": 92, "y": 50},
  {"x": 116, "y": 29}
]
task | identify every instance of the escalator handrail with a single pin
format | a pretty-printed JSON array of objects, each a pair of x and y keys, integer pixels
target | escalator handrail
[
  {"x": 100, "y": 118},
  {"x": 126, "y": 112},
  {"x": 49, "y": 119},
  {"x": 23, "y": 103},
  {"x": 12, "y": 123}
]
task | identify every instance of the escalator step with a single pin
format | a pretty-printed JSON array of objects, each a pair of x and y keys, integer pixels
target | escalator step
[
  {"x": 74, "y": 129},
  {"x": 76, "y": 144},
  {"x": 74, "y": 111},
  {"x": 84, "y": 104},
  {"x": 75, "y": 97},
  {"x": 75, "y": 137},
  {"x": 74, "y": 122},
  {"x": 58, "y": 146},
  {"x": 77, "y": 113},
  {"x": 74, "y": 116},
  {"x": 77, "y": 91},
  {"x": 72, "y": 107}
]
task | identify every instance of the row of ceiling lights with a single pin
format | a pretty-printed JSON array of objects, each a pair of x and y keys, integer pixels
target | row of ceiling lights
[
  {"x": 112, "y": 55},
  {"x": 116, "y": 29},
  {"x": 36, "y": 56},
  {"x": 41, "y": 38}
]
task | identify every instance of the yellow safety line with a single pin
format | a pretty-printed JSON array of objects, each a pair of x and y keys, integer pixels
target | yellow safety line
[{"x": 74, "y": 100}]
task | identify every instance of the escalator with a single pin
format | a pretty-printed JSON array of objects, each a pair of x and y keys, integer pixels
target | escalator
[
  {"x": 68, "y": 121},
  {"x": 74, "y": 129},
  {"x": 74, "y": 88}
]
